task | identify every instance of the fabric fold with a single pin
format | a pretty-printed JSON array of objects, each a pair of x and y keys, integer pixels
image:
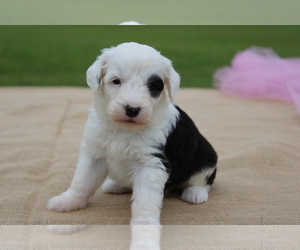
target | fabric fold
[{"x": 260, "y": 73}]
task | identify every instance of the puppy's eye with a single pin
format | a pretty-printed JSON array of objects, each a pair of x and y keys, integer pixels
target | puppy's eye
[
  {"x": 116, "y": 81},
  {"x": 155, "y": 87}
]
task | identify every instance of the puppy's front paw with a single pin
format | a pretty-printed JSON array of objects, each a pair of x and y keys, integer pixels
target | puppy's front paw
[
  {"x": 195, "y": 195},
  {"x": 146, "y": 237},
  {"x": 66, "y": 202}
]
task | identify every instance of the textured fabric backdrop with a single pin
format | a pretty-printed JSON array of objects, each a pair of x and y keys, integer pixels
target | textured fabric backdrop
[
  {"x": 173, "y": 238},
  {"x": 258, "y": 143}
]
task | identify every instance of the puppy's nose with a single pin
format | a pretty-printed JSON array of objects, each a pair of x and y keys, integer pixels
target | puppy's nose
[{"x": 132, "y": 111}]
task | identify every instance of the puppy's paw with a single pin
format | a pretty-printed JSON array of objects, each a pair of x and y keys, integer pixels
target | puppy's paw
[
  {"x": 145, "y": 237},
  {"x": 110, "y": 186},
  {"x": 195, "y": 195},
  {"x": 66, "y": 202}
]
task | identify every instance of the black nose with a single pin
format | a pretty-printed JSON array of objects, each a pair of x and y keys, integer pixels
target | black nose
[{"x": 132, "y": 111}]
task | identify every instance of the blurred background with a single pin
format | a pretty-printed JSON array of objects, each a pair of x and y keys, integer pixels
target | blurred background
[
  {"x": 59, "y": 55},
  {"x": 150, "y": 12}
]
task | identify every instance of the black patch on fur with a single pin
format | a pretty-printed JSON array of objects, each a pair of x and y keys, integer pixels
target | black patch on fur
[
  {"x": 155, "y": 85},
  {"x": 186, "y": 152},
  {"x": 163, "y": 159},
  {"x": 210, "y": 179}
]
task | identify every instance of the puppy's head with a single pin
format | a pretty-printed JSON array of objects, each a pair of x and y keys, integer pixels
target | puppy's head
[{"x": 136, "y": 83}]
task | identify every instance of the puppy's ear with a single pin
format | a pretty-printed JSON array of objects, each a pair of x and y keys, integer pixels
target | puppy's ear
[
  {"x": 173, "y": 82},
  {"x": 93, "y": 74}
]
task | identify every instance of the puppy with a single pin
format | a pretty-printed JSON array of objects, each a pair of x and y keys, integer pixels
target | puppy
[{"x": 136, "y": 139}]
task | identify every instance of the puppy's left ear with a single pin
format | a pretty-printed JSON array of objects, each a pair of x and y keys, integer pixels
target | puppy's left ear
[
  {"x": 93, "y": 75},
  {"x": 173, "y": 82}
]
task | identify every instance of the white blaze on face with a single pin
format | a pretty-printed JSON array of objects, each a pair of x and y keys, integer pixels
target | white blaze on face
[
  {"x": 129, "y": 103},
  {"x": 126, "y": 89}
]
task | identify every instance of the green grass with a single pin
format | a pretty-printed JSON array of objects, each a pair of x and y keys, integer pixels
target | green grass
[{"x": 60, "y": 55}]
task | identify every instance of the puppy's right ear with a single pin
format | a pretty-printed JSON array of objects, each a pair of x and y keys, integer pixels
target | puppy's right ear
[{"x": 93, "y": 74}]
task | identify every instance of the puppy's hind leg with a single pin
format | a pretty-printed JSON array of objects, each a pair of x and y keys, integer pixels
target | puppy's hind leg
[
  {"x": 89, "y": 175},
  {"x": 198, "y": 186}
]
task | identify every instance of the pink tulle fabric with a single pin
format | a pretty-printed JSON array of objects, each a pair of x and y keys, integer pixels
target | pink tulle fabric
[{"x": 260, "y": 73}]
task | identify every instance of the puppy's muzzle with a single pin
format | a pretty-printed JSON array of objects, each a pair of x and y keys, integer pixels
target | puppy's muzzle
[{"x": 132, "y": 111}]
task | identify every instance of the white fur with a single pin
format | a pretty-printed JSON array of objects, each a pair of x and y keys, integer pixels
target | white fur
[
  {"x": 118, "y": 150},
  {"x": 124, "y": 150},
  {"x": 199, "y": 179},
  {"x": 196, "y": 189},
  {"x": 146, "y": 237},
  {"x": 195, "y": 195}
]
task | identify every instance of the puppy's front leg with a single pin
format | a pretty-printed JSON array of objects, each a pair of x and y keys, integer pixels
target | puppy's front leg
[
  {"x": 89, "y": 175},
  {"x": 147, "y": 197},
  {"x": 148, "y": 191}
]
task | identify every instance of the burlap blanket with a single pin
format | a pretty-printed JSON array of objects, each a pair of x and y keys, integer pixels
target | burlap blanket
[
  {"x": 258, "y": 143},
  {"x": 208, "y": 237}
]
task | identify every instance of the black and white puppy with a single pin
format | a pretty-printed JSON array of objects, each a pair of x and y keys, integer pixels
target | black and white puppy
[{"x": 136, "y": 139}]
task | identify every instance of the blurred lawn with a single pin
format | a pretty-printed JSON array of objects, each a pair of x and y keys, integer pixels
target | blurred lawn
[{"x": 60, "y": 55}]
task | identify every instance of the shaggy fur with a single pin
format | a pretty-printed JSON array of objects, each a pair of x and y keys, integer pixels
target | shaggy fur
[{"x": 136, "y": 138}]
